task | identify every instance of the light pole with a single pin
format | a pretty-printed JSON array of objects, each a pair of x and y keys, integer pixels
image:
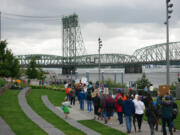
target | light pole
[
  {"x": 168, "y": 13},
  {"x": 99, "y": 49}
]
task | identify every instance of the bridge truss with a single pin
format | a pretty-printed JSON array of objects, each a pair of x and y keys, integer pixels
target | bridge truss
[{"x": 154, "y": 54}]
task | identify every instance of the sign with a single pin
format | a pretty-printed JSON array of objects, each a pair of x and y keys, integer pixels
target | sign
[
  {"x": 163, "y": 90},
  {"x": 93, "y": 94},
  {"x": 106, "y": 91}
]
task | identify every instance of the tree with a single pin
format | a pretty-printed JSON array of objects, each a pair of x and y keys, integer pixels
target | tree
[
  {"x": 41, "y": 74},
  {"x": 34, "y": 71},
  {"x": 143, "y": 82},
  {"x": 9, "y": 65}
]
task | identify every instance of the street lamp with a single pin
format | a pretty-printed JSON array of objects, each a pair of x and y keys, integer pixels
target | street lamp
[
  {"x": 168, "y": 16},
  {"x": 99, "y": 49}
]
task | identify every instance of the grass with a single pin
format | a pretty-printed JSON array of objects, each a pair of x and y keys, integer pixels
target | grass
[
  {"x": 101, "y": 128},
  {"x": 11, "y": 112},
  {"x": 56, "y": 97}
]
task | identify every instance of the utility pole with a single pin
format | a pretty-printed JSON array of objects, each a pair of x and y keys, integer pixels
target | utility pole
[
  {"x": 99, "y": 49},
  {"x": 168, "y": 12}
]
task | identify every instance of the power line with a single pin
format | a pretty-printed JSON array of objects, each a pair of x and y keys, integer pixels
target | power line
[
  {"x": 27, "y": 19},
  {"x": 28, "y": 16}
]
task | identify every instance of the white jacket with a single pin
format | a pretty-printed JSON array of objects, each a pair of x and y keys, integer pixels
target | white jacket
[{"x": 139, "y": 107}]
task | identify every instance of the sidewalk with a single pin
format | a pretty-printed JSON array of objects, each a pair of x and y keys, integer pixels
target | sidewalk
[
  {"x": 4, "y": 128},
  {"x": 43, "y": 124},
  {"x": 77, "y": 114}
]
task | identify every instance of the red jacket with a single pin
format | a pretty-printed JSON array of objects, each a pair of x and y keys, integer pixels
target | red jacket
[{"x": 118, "y": 107}]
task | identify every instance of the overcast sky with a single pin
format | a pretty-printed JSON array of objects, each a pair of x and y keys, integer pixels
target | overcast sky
[{"x": 123, "y": 25}]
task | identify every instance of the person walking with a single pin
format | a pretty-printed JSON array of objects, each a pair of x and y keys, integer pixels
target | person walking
[
  {"x": 73, "y": 96},
  {"x": 167, "y": 115},
  {"x": 152, "y": 117},
  {"x": 110, "y": 107},
  {"x": 103, "y": 110},
  {"x": 175, "y": 113},
  {"x": 118, "y": 105},
  {"x": 65, "y": 108},
  {"x": 89, "y": 99},
  {"x": 82, "y": 97},
  {"x": 139, "y": 111},
  {"x": 128, "y": 110},
  {"x": 96, "y": 102}
]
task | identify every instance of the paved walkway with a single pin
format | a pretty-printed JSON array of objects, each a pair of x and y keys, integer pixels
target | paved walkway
[
  {"x": 78, "y": 115},
  {"x": 47, "y": 127},
  {"x": 4, "y": 128},
  {"x": 71, "y": 121}
]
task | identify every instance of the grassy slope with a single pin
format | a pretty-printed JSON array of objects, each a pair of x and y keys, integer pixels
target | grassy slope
[
  {"x": 11, "y": 112},
  {"x": 102, "y": 129},
  {"x": 56, "y": 97}
]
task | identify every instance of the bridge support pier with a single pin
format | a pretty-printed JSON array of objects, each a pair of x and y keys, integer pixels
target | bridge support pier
[
  {"x": 133, "y": 69},
  {"x": 68, "y": 69}
]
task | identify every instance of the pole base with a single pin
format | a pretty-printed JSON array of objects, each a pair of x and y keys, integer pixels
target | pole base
[{"x": 68, "y": 69}]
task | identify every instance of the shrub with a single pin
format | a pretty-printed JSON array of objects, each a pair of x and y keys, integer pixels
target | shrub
[{"x": 2, "y": 82}]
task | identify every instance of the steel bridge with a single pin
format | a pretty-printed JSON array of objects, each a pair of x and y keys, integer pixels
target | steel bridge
[
  {"x": 155, "y": 54},
  {"x": 74, "y": 53}
]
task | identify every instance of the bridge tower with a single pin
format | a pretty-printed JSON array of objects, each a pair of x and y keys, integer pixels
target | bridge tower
[{"x": 72, "y": 43}]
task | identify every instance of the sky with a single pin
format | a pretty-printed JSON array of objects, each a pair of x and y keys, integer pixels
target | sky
[{"x": 123, "y": 25}]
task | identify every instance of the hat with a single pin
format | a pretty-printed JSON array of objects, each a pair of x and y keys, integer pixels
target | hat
[{"x": 119, "y": 90}]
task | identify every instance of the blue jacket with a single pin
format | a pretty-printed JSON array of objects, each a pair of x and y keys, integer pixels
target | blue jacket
[
  {"x": 82, "y": 95},
  {"x": 167, "y": 109},
  {"x": 128, "y": 107}
]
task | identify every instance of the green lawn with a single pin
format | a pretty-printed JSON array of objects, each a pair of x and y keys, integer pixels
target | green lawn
[
  {"x": 101, "y": 128},
  {"x": 11, "y": 112},
  {"x": 56, "y": 97}
]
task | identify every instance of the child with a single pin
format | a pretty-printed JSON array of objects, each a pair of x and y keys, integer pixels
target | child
[{"x": 65, "y": 107}]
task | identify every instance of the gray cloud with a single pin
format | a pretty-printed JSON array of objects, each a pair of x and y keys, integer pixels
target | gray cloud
[{"x": 122, "y": 24}]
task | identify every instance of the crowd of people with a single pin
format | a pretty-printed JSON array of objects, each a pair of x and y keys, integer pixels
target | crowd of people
[{"x": 130, "y": 106}]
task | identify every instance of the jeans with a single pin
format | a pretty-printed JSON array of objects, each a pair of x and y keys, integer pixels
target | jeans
[
  {"x": 105, "y": 116},
  {"x": 128, "y": 123},
  {"x": 82, "y": 104},
  {"x": 120, "y": 117},
  {"x": 72, "y": 100},
  {"x": 89, "y": 105},
  {"x": 169, "y": 123},
  {"x": 151, "y": 125},
  {"x": 139, "y": 120}
]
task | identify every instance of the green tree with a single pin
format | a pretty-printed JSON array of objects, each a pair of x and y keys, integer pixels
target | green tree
[
  {"x": 32, "y": 71},
  {"x": 41, "y": 74},
  {"x": 143, "y": 82},
  {"x": 9, "y": 65}
]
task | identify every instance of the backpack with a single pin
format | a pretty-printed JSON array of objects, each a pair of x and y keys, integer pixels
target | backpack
[{"x": 119, "y": 101}]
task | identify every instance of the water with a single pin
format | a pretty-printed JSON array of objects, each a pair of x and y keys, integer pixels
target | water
[{"x": 156, "y": 75}]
